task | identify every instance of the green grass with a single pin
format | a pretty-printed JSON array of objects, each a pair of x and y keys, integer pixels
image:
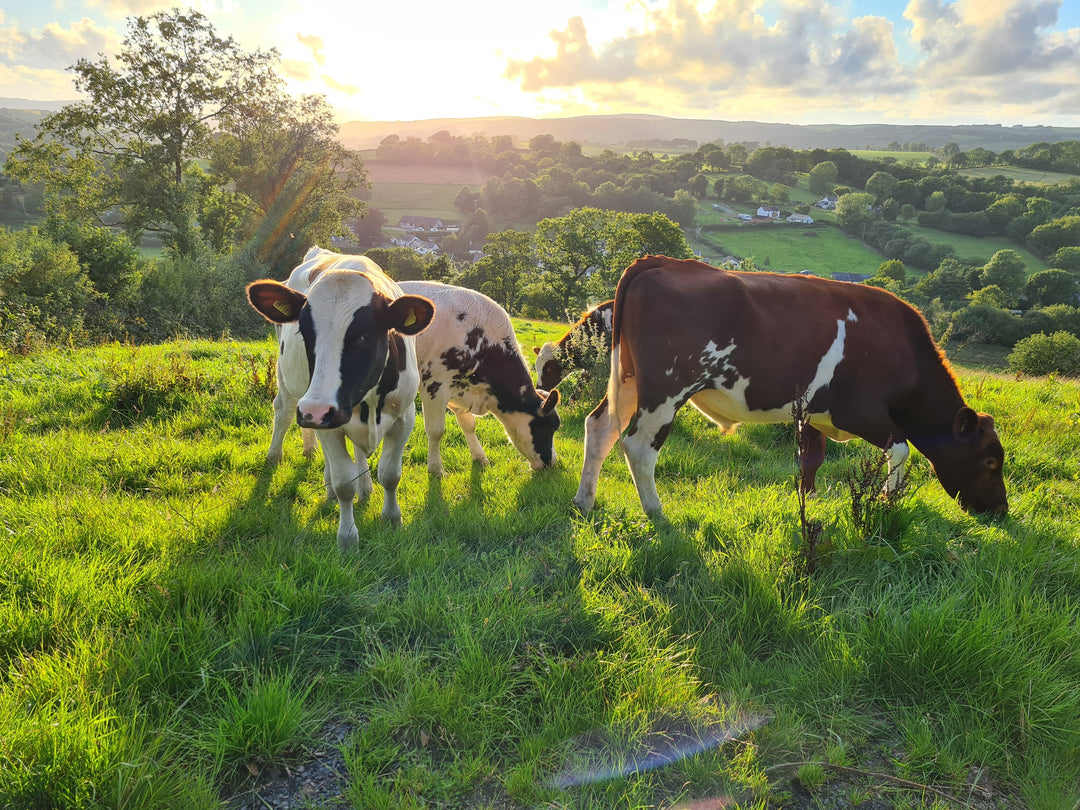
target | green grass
[
  {"x": 174, "y": 617},
  {"x": 788, "y": 248},
  {"x": 1020, "y": 175},
  {"x": 419, "y": 199},
  {"x": 899, "y": 157}
]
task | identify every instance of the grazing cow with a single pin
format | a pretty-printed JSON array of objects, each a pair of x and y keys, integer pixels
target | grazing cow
[
  {"x": 553, "y": 359},
  {"x": 744, "y": 347},
  {"x": 470, "y": 362},
  {"x": 347, "y": 349}
]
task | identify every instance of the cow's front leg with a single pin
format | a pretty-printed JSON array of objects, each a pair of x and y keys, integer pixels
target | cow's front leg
[
  {"x": 390, "y": 462},
  {"x": 811, "y": 457},
  {"x": 340, "y": 470},
  {"x": 467, "y": 421},
  {"x": 897, "y": 455}
]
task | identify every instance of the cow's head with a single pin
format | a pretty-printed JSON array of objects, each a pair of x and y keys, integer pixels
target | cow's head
[
  {"x": 969, "y": 466},
  {"x": 549, "y": 370},
  {"x": 532, "y": 429},
  {"x": 347, "y": 327}
]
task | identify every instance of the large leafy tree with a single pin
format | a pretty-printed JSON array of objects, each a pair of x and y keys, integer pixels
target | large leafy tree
[
  {"x": 131, "y": 149},
  {"x": 290, "y": 176}
]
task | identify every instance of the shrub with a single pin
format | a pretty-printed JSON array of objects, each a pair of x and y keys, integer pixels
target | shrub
[
  {"x": 1058, "y": 353},
  {"x": 981, "y": 323},
  {"x": 43, "y": 289}
]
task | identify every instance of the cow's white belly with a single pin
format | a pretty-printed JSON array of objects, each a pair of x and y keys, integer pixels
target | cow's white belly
[
  {"x": 727, "y": 409},
  {"x": 475, "y": 400}
]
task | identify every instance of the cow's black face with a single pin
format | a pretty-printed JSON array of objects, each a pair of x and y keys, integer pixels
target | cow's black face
[
  {"x": 551, "y": 375},
  {"x": 360, "y": 357},
  {"x": 970, "y": 469},
  {"x": 543, "y": 427}
]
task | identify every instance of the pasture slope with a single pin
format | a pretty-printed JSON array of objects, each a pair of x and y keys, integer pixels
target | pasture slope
[{"x": 178, "y": 631}]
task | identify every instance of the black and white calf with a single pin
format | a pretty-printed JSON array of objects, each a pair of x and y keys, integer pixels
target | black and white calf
[
  {"x": 348, "y": 360},
  {"x": 470, "y": 362},
  {"x": 555, "y": 360}
]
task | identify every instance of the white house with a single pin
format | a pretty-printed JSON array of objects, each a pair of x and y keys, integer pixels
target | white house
[
  {"x": 802, "y": 219},
  {"x": 770, "y": 211}
]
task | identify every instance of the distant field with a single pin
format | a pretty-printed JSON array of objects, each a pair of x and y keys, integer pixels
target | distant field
[
  {"x": 899, "y": 157},
  {"x": 427, "y": 191},
  {"x": 420, "y": 199},
  {"x": 792, "y": 249},
  {"x": 980, "y": 247},
  {"x": 1019, "y": 175}
]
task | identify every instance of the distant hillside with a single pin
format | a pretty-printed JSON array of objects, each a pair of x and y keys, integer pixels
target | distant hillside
[
  {"x": 620, "y": 130},
  {"x": 20, "y": 115}
]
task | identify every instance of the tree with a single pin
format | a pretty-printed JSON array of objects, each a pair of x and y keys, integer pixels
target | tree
[
  {"x": 823, "y": 178},
  {"x": 1006, "y": 269},
  {"x": 881, "y": 185},
  {"x": 1049, "y": 238},
  {"x": 1068, "y": 259},
  {"x": 508, "y": 257},
  {"x": 295, "y": 180},
  {"x": 369, "y": 229},
  {"x": 132, "y": 146},
  {"x": 936, "y": 202},
  {"x": 992, "y": 296},
  {"x": 1051, "y": 287},
  {"x": 949, "y": 282},
  {"x": 892, "y": 269},
  {"x": 855, "y": 210}
]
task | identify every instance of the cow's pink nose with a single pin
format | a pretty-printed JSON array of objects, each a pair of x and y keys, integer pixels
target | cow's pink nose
[{"x": 315, "y": 415}]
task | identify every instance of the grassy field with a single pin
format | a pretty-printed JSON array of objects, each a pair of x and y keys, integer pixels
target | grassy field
[
  {"x": 788, "y": 248},
  {"x": 178, "y": 631},
  {"x": 1018, "y": 174}
]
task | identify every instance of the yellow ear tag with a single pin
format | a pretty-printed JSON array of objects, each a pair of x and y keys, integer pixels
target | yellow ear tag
[
  {"x": 411, "y": 319},
  {"x": 284, "y": 308}
]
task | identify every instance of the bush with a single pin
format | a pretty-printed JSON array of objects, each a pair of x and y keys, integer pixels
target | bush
[
  {"x": 1040, "y": 354},
  {"x": 43, "y": 288},
  {"x": 198, "y": 296},
  {"x": 981, "y": 323}
]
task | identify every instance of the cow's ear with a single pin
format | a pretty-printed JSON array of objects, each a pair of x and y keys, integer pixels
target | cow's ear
[
  {"x": 276, "y": 302},
  {"x": 966, "y": 423},
  {"x": 550, "y": 401},
  {"x": 411, "y": 314}
]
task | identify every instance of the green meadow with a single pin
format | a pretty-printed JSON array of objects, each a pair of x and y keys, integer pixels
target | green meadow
[{"x": 177, "y": 629}]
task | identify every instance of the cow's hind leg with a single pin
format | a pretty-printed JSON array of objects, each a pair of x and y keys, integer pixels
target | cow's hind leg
[
  {"x": 602, "y": 429},
  {"x": 641, "y": 447},
  {"x": 434, "y": 428},
  {"x": 284, "y": 415},
  {"x": 467, "y": 421}
]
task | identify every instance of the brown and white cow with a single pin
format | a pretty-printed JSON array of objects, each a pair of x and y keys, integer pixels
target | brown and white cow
[
  {"x": 743, "y": 347},
  {"x": 347, "y": 354},
  {"x": 554, "y": 360},
  {"x": 470, "y": 362}
]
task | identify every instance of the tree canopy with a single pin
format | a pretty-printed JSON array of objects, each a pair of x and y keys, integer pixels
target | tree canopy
[{"x": 185, "y": 134}]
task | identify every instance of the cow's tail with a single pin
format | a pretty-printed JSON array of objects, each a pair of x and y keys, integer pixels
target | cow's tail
[{"x": 623, "y": 366}]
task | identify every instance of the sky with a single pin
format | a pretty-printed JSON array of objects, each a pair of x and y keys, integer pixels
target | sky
[{"x": 791, "y": 61}]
